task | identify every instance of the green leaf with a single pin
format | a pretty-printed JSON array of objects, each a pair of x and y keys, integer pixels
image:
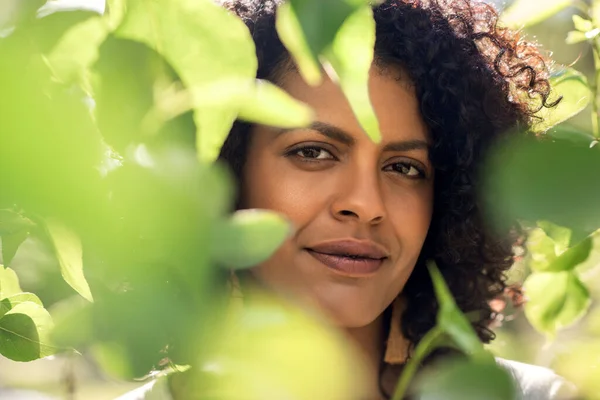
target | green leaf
[
  {"x": 77, "y": 49},
  {"x": 556, "y": 300},
  {"x": 249, "y": 238},
  {"x": 9, "y": 283},
  {"x": 523, "y": 13},
  {"x": 575, "y": 37},
  {"x": 270, "y": 105},
  {"x": 559, "y": 234},
  {"x": 218, "y": 47},
  {"x": 10, "y": 302},
  {"x": 465, "y": 380},
  {"x": 351, "y": 56},
  {"x": 453, "y": 321},
  {"x": 292, "y": 36},
  {"x": 67, "y": 246},
  {"x": 541, "y": 248},
  {"x": 582, "y": 24},
  {"x": 573, "y": 86},
  {"x": 572, "y": 134},
  {"x": 570, "y": 259},
  {"x": 24, "y": 333},
  {"x": 536, "y": 180},
  {"x": 595, "y": 12},
  {"x": 10, "y": 245},
  {"x": 12, "y": 222}
]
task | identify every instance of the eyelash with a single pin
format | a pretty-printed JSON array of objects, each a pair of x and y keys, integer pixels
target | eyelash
[{"x": 405, "y": 163}]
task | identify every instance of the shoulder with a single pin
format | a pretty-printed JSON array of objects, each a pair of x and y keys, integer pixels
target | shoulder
[{"x": 537, "y": 383}]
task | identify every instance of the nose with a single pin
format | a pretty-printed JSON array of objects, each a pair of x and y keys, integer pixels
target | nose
[{"x": 360, "y": 198}]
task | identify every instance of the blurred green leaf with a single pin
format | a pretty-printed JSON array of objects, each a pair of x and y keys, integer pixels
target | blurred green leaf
[
  {"x": 292, "y": 36},
  {"x": 218, "y": 47},
  {"x": 556, "y": 300},
  {"x": 453, "y": 321},
  {"x": 578, "y": 364},
  {"x": 271, "y": 105},
  {"x": 351, "y": 56},
  {"x": 465, "y": 380},
  {"x": 572, "y": 134},
  {"x": 573, "y": 86},
  {"x": 523, "y": 13},
  {"x": 571, "y": 258},
  {"x": 249, "y": 238},
  {"x": 24, "y": 332},
  {"x": 67, "y": 246},
  {"x": 536, "y": 180},
  {"x": 541, "y": 248},
  {"x": 575, "y": 37},
  {"x": 559, "y": 234},
  {"x": 10, "y": 302},
  {"x": 595, "y": 12},
  {"x": 77, "y": 49},
  {"x": 10, "y": 245},
  {"x": 582, "y": 24},
  {"x": 9, "y": 283},
  {"x": 12, "y": 222}
]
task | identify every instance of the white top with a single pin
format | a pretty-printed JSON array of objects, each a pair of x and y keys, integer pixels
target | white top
[{"x": 532, "y": 383}]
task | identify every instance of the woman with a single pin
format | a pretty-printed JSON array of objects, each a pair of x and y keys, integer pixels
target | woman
[{"x": 446, "y": 82}]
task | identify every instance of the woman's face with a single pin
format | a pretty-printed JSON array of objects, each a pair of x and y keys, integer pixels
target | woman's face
[{"x": 361, "y": 210}]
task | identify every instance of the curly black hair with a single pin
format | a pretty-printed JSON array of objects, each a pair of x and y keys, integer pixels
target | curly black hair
[{"x": 475, "y": 82}]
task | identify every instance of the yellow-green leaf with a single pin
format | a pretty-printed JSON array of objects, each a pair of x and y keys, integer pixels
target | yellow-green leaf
[
  {"x": 573, "y": 86},
  {"x": 9, "y": 283},
  {"x": 249, "y": 237},
  {"x": 292, "y": 36},
  {"x": 217, "y": 47},
  {"x": 523, "y": 13},
  {"x": 67, "y": 247},
  {"x": 24, "y": 332},
  {"x": 11, "y": 243},
  {"x": 575, "y": 37},
  {"x": 10, "y": 302},
  {"x": 556, "y": 300},
  {"x": 582, "y": 24},
  {"x": 12, "y": 222},
  {"x": 351, "y": 56}
]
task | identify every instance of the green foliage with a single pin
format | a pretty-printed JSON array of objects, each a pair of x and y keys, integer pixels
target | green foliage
[
  {"x": 343, "y": 42},
  {"x": 523, "y": 13}
]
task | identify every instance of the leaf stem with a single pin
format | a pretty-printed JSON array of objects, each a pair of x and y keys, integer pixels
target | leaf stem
[{"x": 425, "y": 346}]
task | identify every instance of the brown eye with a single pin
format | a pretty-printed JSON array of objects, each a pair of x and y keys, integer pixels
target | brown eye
[
  {"x": 407, "y": 169},
  {"x": 314, "y": 153}
]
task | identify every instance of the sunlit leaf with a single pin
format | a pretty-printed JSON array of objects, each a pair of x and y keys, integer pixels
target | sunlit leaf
[
  {"x": 12, "y": 222},
  {"x": 523, "y": 13},
  {"x": 466, "y": 380},
  {"x": 559, "y": 234},
  {"x": 67, "y": 246},
  {"x": 541, "y": 248},
  {"x": 571, "y": 258},
  {"x": 578, "y": 363},
  {"x": 596, "y": 12},
  {"x": 24, "y": 332},
  {"x": 10, "y": 302},
  {"x": 11, "y": 243},
  {"x": 292, "y": 36},
  {"x": 9, "y": 283},
  {"x": 249, "y": 237},
  {"x": 573, "y": 86},
  {"x": 77, "y": 49},
  {"x": 351, "y": 57},
  {"x": 582, "y": 24},
  {"x": 556, "y": 300},
  {"x": 542, "y": 180},
  {"x": 575, "y": 37},
  {"x": 453, "y": 321},
  {"x": 218, "y": 47},
  {"x": 271, "y": 105}
]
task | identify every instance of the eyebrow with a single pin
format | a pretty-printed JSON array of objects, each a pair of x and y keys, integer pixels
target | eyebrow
[{"x": 345, "y": 138}]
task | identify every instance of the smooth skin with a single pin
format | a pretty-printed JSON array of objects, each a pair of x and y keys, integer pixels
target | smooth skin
[{"x": 334, "y": 183}]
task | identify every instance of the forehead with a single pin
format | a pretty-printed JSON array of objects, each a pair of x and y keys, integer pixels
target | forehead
[{"x": 392, "y": 95}]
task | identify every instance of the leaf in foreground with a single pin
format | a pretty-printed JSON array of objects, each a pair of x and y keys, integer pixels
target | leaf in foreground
[
  {"x": 11, "y": 243},
  {"x": 523, "y": 13},
  {"x": 249, "y": 237},
  {"x": 67, "y": 246},
  {"x": 24, "y": 332},
  {"x": 9, "y": 282},
  {"x": 556, "y": 300}
]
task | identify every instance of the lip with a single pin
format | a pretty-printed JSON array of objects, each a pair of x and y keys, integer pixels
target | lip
[{"x": 350, "y": 257}]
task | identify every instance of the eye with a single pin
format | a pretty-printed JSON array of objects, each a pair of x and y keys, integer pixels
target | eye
[
  {"x": 312, "y": 153},
  {"x": 407, "y": 169}
]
